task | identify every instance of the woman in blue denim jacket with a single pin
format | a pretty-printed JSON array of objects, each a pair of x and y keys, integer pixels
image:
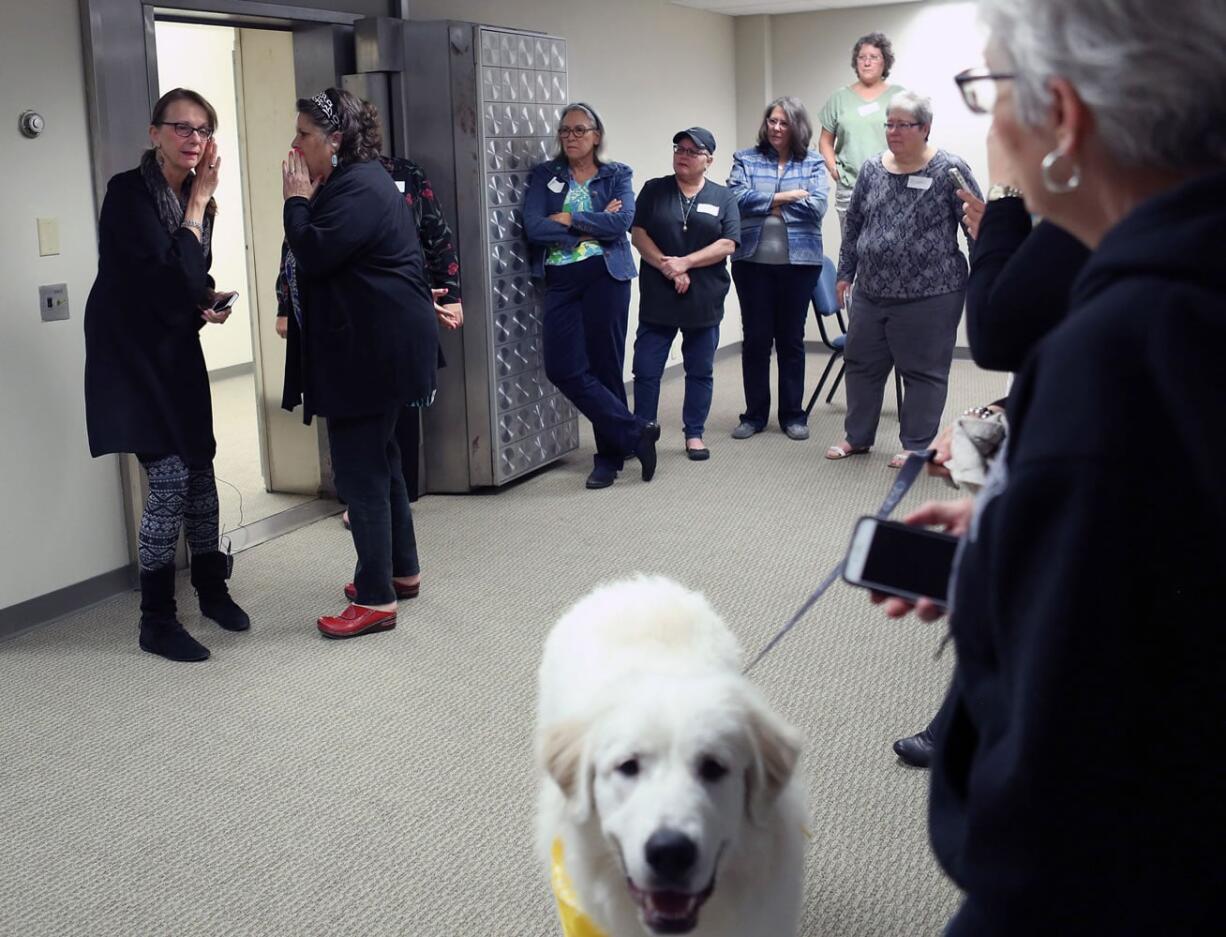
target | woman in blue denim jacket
[
  {"x": 781, "y": 187},
  {"x": 577, "y": 212}
]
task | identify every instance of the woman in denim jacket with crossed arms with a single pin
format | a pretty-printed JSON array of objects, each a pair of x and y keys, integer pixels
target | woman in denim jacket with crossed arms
[
  {"x": 781, "y": 188},
  {"x": 582, "y": 252}
]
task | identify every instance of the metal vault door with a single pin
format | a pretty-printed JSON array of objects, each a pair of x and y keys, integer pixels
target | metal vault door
[{"x": 484, "y": 104}]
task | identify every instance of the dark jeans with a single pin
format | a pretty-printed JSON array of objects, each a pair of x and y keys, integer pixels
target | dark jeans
[
  {"x": 774, "y": 305},
  {"x": 584, "y": 339},
  {"x": 366, "y": 464},
  {"x": 651, "y": 346}
]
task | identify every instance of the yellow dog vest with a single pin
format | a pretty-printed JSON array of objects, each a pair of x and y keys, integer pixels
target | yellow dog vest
[{"x": 574, "y": 922}]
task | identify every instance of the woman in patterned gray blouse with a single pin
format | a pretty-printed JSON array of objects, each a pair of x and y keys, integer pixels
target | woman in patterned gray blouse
[{"x": 900, "y": 248}]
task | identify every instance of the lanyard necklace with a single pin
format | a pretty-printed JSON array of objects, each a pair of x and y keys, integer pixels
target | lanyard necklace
[{"x": 687, "y": 206}]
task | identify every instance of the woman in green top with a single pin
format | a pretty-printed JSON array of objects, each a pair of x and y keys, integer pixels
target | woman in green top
[{"x": 853, "y": 117}]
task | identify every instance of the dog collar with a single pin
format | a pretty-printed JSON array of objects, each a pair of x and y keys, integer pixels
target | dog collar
[{"x": 574, "y": 922}]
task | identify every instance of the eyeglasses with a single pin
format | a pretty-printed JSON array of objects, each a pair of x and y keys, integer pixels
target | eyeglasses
[
  {"x": 186, "y": 130},
  {"x": 776, "y": 122},
  {"x": 892, "y": 125},
  {"x": 687, "y": 151},
  {"x": 978, "y": 87},
  {"x": 574, "y": 131},
  {"x": 869, "y": 58}
]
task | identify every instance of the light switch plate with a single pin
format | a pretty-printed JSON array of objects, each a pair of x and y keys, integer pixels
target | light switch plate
[
  {"x": 48, "y": 237},
  {"x": 53, "y": 301}
]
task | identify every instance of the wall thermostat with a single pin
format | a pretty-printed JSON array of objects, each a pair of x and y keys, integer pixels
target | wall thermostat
[{"x": 31, "y": 123}]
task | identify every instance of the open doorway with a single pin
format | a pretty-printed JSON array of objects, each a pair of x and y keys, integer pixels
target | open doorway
[{"x": 267, "y": 462}]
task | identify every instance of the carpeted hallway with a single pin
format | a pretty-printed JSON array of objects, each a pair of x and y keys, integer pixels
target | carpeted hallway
[{"x": 384, "y": 786}]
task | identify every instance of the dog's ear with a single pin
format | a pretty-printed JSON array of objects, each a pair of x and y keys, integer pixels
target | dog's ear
[
  {"x": 776, "y": 749},
  {"x": 564, "y": 756}
]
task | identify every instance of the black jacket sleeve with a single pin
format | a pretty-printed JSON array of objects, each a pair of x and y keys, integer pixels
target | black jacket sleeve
[
  {"x": 174, "y": 263},
  {"x": 325, "y": 233},
  {"x": 1019, "y": 284}
]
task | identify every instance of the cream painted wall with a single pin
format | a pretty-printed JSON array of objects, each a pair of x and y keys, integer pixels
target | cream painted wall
[
  {"x": 811, "y": 57},
  {"x": 202, "y": 58},
  {"x": 62, "y": 510},
  {"x": 649, "y": 67}
]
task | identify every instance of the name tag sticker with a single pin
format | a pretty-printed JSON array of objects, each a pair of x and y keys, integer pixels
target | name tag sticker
[
  {"x": 865, "y": 109},
  {"x": 400, "y": 184},
  {"x": 707, "y": 209},
  {"x": 923, "y": 183},
  {"x": 556, "y": 184}
]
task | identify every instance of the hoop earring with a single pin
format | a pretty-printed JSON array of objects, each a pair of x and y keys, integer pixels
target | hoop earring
[{"x": 1053, "y": 185}]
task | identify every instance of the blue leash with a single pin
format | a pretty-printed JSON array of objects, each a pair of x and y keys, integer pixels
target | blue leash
[{"x": 906, "y": 478}]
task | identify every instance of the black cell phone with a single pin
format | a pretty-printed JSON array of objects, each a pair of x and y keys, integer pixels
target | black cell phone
[
  {"x": 224, "y": 301},
  {"x": 898, "y": 559}
]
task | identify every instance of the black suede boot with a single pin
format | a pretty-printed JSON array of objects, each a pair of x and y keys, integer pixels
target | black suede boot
[
  {"x": 209, "y": 578},
  {"x": 160, "y": 631}
]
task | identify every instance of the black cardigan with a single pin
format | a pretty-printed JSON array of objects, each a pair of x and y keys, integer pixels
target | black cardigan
[
  {"x": 369, "y": 338},
  {"x": 146, "y": 383}
]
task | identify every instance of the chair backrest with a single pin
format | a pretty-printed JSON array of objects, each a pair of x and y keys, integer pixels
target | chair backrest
[{"x": 824, "y": 301}]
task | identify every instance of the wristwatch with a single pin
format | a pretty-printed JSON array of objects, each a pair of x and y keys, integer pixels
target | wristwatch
[{"x": 1003, "y": 191}]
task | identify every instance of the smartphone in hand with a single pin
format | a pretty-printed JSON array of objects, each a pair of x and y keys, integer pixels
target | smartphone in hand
[
  {"x": 898, "y": 559},
  {"x": 960, "y": 180},
  {"x": 224, "y": 301}
]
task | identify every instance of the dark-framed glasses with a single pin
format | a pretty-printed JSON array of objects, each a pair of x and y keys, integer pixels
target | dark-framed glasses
[
  {"x": 687, "y": 151},
  {"x": 186, "y": 130},
  {"x": 574, "y": 131},
  {"x": 901, "y": 125},
  {"x": 978, "y": 87}
]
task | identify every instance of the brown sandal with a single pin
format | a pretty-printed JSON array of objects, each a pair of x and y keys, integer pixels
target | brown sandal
[{"x": 836, "y": 452}]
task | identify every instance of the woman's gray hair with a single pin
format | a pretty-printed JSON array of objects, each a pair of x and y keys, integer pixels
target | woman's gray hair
[
  {"x": 1150, "y": 72},
  {"x": 918, "y": 106},
  {"x": 591, "y": 114}
]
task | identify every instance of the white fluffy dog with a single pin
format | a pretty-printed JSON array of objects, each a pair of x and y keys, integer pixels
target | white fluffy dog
[{"x": 668, "y": 787}]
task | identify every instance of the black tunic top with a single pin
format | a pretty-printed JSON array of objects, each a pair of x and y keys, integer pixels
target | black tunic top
[
  {"x": 659, "y": 211},
  {"x": 369, "y": 338},
  {"x": 146, "y": 384}
]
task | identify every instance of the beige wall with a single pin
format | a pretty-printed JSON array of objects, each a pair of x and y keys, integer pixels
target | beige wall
[
  {"x": 62, "y": 511},
  {"x": 649, "y": 67},
  {"x": 202, "y": 58},
  {"x": 933, "y": 41}
]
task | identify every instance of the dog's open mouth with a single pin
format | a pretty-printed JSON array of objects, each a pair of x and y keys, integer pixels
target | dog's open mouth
[{"x": 670, "y": 912}]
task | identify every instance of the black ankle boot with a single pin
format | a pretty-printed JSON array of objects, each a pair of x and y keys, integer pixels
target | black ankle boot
[
  {"x": 209, "y": 578},
  {"x": 916, "y": 750},
  {"x": 160, "y": 631}
]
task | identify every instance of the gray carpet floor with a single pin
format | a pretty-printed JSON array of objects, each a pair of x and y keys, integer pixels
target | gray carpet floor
[{"x": 384, "y": 786}]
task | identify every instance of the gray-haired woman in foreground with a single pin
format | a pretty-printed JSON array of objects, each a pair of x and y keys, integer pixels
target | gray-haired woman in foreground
[{"x": 1077, "y": 778}]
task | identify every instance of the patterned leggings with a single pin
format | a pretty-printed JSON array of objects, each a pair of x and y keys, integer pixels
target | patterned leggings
[{"x": 176, "y": 494}]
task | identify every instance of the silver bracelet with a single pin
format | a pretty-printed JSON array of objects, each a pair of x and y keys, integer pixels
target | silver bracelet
[{"x": 193, "y": 224}]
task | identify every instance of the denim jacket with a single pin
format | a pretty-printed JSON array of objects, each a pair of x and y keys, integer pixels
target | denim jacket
[
  {"x": 612, "y": 180},
  {"x": 754, "y": 181}
]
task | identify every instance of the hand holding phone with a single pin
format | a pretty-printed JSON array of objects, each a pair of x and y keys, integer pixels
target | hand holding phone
[
  {"x": 896, "y": 559},
  {"x": 223, "y": 301},
  {"x": 960, "y": 180}
]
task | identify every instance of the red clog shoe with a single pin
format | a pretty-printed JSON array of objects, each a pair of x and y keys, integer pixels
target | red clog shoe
[
  {"x": 402, "y": 592},
  {"x": 356, "y": 620}
]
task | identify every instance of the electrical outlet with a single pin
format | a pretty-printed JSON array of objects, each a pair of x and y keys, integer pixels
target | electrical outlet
[{"x": 53, "y": 301}]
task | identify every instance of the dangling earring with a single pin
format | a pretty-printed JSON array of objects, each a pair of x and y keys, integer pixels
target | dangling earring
[
  {"x": 1053, "y": 185},
  {"x": 335, "y": 161}
]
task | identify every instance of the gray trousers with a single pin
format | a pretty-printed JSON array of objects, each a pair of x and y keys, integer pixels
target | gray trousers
[{"x": 916, "y": 337}]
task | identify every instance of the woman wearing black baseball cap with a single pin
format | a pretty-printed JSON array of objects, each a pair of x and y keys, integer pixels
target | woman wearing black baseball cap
[{"x": 685, "y": 227}]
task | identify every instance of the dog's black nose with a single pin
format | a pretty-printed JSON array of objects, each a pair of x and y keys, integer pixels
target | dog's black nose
[{"x": 671, "y": 854}]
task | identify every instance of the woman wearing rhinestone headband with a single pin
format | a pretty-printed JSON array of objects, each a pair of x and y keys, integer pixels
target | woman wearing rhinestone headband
[
  {"x": 146, "y": 383},
  {"x": 577, "y": 212},
  {"x": 363, "y": 341}
]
